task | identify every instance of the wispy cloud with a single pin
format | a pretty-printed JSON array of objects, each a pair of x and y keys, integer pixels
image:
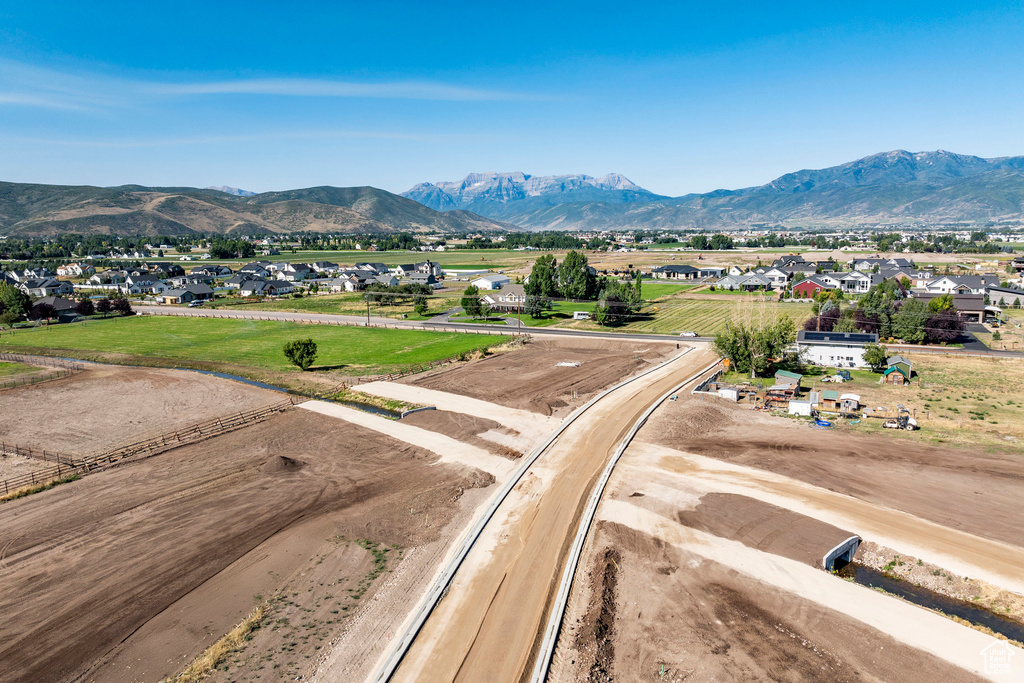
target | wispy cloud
[{"x": 30, "y": 86}]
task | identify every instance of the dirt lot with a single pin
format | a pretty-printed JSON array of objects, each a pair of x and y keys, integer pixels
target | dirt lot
[
  {"x": 659, "y": 613},
  {"x": 465, "y": 428},
  {"x": 104, "y": 406},
  {"x": 128, "y": 574},
  {"x": 974, "y": 491},
  {"x": 16, "y": 465},
  {"x": 529, "y": 379}
]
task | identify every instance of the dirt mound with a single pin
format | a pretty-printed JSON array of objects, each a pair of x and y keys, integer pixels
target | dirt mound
[{"x": 277, "y": 464}]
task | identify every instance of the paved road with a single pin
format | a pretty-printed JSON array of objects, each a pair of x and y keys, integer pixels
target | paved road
[{"x": 491, "y": 622}]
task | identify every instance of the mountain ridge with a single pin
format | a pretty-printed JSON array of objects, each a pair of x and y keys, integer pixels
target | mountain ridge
[
  {"x": 889, "y": 186},
  {"x": 28, "y": 209}
]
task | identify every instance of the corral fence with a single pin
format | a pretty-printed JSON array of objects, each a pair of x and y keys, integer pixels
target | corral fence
[
  {"x": 66, "y": 466},
  {"x": 60, "y": 369},
  {"x": 498, "y": 332}
]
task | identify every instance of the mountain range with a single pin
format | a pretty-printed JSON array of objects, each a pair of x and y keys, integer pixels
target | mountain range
[
  {"x": 898, "y": 186},
  {"x": 48, "y": 210}
]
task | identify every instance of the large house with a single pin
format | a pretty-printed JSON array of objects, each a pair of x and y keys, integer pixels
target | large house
[
  {"x": 962, "y": 284},
  {"x": 835, "y": 349},
  {"x": 39, "y": 287},
  {"x": 747, "y": 281},
  {"x": 676, "y": 272},
  {"x": 776, "y": 276},
  {"x": 806, "y": 289},
  {"x": 511, "y": 298},
  {"x": 187, "y": 294},
  {"x": 856, "y": 282},
  {"x": 75, "y": 270}
]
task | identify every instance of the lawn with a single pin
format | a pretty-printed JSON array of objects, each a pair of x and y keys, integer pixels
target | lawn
[
  {"x": 561, "y": 311},
  {"x": 656, "y": 290},
  {"x": 246, "y": 343},
  {"x": 11, "y": 369}
]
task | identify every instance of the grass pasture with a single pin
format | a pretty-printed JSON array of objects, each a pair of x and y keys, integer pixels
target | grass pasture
[
  {"x": 708, "y": 317},
  {"x": 351, "y": 303},
  {"x": 13, "y": 369},
  {"x": 246, "y": 343}
]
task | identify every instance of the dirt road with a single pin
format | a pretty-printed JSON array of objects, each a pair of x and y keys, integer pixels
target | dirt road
[{"x": 489, "y": 625}]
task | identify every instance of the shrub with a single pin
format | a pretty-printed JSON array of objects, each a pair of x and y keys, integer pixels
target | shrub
[{"x": 301, "y": 352}]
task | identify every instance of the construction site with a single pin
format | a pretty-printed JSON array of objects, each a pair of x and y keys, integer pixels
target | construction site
[{"x": 566, "y": 509}]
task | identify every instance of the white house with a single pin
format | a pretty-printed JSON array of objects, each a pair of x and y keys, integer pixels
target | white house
[
  {"x": 491, "y": 281},
  {"x": 834, "y": 349}
]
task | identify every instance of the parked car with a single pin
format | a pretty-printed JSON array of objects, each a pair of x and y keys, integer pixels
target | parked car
[
  {"x": 688, "y": 334},
  {"x": 195, "y": 304}
]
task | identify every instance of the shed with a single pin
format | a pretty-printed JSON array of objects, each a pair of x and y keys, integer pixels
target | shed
[
  {"x": 849, "y": 403},
  {"x": 898, "y": 370},
  {"x": 731, "y": 394},
  {"x": 787, "y": 377},
  {"x": 829, "y": 400}
]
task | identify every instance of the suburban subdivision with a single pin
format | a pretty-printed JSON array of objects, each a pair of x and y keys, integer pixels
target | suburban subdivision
[{"x": 553, "y": 464}]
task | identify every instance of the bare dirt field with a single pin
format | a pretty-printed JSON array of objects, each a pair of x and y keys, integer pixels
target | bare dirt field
[
  {"x": 104, "y": 406},
  {"x": 656, "y": 612},
  {"x": 17, "y": 465},
  {"x": 971, "y": 490},
  {"x": 128, "y": 574},
  {"x": 530, "y": 379},
  {"x": 465, "y": 428}
]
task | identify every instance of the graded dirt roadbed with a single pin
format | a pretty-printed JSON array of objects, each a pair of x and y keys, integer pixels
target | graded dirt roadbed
[{"x": 489, "y": 624}]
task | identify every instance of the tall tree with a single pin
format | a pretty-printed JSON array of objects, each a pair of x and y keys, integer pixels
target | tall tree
[
  {"x": 757, "y": 350},
  {"x": 471, "y": 303},
  {"x": 908, "y": 323},
  {"x": 543, "y": 280},
  {"x": 301, "y": 352},
  {"x": 575, "y": 279}
]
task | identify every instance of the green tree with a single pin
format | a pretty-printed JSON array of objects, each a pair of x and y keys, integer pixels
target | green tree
[
  {"x": 536, "y": 306},
  {"x": 908, "y": 323},
  {"x": 543, "y": 278},
  {"x": 941, "y": 303},
  {"x": 13, "y": 301},
  {"x": 757, "y": 350},
  {"x": 419, "y": 304},
  {"x": 471, "y": 303},
  {"x": 575, "y": 278},
  {"x": 876, "y": 355},
  {"x": 301, "y": 352},
  {"x": 85, "y": 306}
]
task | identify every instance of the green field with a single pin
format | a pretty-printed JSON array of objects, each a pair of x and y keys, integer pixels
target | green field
[
  {"x": 351, "y": 303},
  {"x": 707, "y": 317},
  {"x": 11, "y": 369},
  {"x": 463, "y": 259},
  {"x": 246, "y": 343},
  {"x": 655, "y": 290}
]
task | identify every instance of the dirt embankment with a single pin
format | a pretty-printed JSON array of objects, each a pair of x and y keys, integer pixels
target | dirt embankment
[
  {"x": 531, "y": 378},
  {"x": 973, "y": 491},
  {"x": 104, "y": 406},
  {"x": 679, "y": 617},
  {"x": 129, "y": 573}
]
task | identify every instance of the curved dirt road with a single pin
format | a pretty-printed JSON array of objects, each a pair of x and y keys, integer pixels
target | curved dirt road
[{"x": 491, "y": 622}]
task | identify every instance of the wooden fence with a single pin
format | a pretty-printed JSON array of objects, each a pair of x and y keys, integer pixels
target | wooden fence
[
  {"x": 69, "y": 465},
  {"x": 61, "y": 369}
]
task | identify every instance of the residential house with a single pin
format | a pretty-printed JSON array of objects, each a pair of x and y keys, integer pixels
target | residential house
[
  {"x": 166, "y": 269},
  {"x": 37, "y": 274},
  {"x": 186, "y": 294},
  {"x": 711, "y": 271},
  {"x": 491, "y": 281},
  {"x": 279, "y": 288},
  {"x": 747, "y": 281},
  {"x": 254, "y": 287},
  {"x": 788, "y": 260},
  {"x": 777, "y": 277},
  {"x": 257, "y": 269},
  {"x": 426, "y": 279},
  {"x": 806, "y": 289},
  {"x": 144, "y": 284},
  {"x": 735, "y": 271},
  {"x": 324, "y": 267},
  {"x": 511, "y": 298},
  {"x": 856, "y": 282},
  {"x": 379, "y": 268},
  {"x": 65, "y": 309},
  {"x": 962, "y": 284},
  {"x": 675, "y": 272},
  {"x": 108, "y": 277},
  {"x": 211, "y": 270},
  {"x": 40, "y": 287},
  {"x": 971, "y": 307},
  {"x": 192, "y": 279},
  {"x": 75, "y": 270},
  {"x": 803, "y": 269},
  {"x": 834, "y": 349},
  {"x": 294, "y": 272}
]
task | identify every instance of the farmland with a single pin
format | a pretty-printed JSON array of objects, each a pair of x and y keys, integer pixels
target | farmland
[{"x": 245, "y": 343}]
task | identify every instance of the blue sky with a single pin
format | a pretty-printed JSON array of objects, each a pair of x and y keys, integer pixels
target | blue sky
[{"x": 679, "y": 97}]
